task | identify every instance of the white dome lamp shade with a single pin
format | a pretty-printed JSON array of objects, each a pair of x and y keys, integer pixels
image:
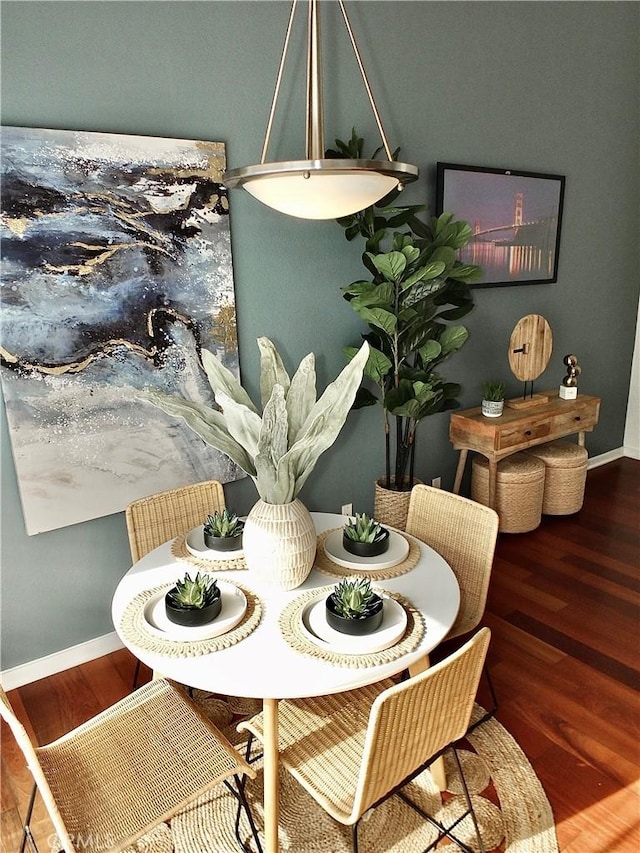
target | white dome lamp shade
[{"x": 316, "y": 187}]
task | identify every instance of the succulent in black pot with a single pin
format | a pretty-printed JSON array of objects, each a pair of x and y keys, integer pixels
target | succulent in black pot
[
  {"x": 193, "y": 602},
  {"x": 365, "y": 537},
  {"x": 223, "y": 531},
  {"x": 354, "y": 608}
]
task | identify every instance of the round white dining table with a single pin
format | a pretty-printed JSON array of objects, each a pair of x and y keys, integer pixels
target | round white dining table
[{"x": 265, "y": 666}]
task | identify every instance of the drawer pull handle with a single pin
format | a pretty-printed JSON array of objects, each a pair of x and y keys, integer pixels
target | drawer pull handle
[{"x": 528, "y": 432}]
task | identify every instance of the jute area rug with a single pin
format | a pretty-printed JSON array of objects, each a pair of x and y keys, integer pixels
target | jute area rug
[{"x": 512, "y": 808}]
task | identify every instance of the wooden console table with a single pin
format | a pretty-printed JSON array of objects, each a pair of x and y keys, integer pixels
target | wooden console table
[{"x": 519, "y": 428}]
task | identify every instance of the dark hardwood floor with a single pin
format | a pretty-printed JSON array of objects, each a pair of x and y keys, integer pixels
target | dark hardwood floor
[{"x": 563, "y": 608}]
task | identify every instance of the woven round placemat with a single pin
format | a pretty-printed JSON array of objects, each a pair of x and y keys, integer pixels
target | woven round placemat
[
  {"x": 135, "y": 631},
  {"x": 291, "y": 626},
  {"x": 325, "y": 564},
  {"x": 180, "y": 552}
]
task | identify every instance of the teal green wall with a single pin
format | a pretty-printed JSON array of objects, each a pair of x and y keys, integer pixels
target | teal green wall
[{"x": 548, "y": 87}]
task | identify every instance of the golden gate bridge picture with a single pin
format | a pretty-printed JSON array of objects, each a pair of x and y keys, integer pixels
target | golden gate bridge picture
[{"x": 515, "y": 218}]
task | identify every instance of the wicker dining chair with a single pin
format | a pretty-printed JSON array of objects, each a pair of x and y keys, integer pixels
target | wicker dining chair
[
  {"x": 114, "y": 778},
  {"x": 155, "y": 519},
  {"x": 465, "y": 534},
  {"x": 353, "y": 750},
  {"x": 160, "y": 517}
]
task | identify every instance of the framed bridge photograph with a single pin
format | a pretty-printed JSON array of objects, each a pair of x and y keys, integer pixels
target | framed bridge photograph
[{"x": 515, "y": 218}]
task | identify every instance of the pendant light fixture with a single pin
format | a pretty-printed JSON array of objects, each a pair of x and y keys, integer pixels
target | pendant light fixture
[{"x": 319, "y": 188}]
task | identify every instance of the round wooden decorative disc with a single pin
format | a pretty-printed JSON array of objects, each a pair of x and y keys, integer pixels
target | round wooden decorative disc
[{"x": 530, "y": 347}]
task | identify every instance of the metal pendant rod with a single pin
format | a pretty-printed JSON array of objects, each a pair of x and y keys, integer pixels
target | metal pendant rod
[
  {"x": 314, "y": 142},
  {"x": 285, "y": 49},
  {"x": 366, "y": 81}
]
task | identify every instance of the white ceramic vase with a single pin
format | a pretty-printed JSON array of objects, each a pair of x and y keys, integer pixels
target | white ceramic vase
[{"x": 279, "y": 542}]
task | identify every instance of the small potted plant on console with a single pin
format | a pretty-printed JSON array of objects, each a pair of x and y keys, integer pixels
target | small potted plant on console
[
  {"x": 354, "y": 608},
  {"x": 492, "y": 399},
  {"x": 192, "y": 603},
  {"x": 365, "y": 537},
  {"x": 223, "y": 531}
]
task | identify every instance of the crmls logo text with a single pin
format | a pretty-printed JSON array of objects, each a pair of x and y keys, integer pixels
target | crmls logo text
[{"x": 83, "y": 841}]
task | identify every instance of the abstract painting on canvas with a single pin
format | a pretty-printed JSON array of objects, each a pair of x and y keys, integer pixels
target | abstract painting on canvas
[{"x": 116, "y": 272}]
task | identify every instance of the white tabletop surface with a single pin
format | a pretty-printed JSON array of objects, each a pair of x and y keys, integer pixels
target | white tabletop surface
[{"x": 263, "y": 665}]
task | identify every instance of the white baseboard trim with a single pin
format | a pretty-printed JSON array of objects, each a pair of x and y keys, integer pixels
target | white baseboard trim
[
  {"x": 603, "y": 458},
  {"x": 83, "y": 652},
  {"x": 632, "y": 452},
  {"x": 57, "y": 662}
]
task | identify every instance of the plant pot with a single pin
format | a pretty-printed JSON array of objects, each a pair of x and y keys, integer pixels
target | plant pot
[
  {"x": 354, "y": 627},
  {"x": 223, "y": 543},
  {"x": 193, "y": 617},
  {"x": 367, "y": 549},
  {"x": 492, "y": 408},
  {"x": 392, "y": 507},
  {"x": 280, "y": 542}
]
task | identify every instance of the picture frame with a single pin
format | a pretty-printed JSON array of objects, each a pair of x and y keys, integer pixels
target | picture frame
[{"x": 515, "y": 217}]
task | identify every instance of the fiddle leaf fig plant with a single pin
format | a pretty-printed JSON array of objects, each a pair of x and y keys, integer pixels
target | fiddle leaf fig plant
[
  {"x": 416, "y": 292},
  {"x": 279, "y": 445}
]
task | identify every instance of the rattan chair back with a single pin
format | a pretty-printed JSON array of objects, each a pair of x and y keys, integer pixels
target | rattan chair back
[
  {"x": 416, "y": 719},
  {"x": 464, "y": 533},
  {"x": 160, "y": 517},
  {"x": 352, "y": 749},
  {"x": 112, "y": 779}
]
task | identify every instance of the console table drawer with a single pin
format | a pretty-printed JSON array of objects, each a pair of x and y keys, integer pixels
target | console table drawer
[
  {"x": 520, "y": 435},
  {"x": 569, "y": 422}
]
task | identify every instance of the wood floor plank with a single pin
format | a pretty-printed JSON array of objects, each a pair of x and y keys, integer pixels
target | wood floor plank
[{"x": 604, "y": 663}]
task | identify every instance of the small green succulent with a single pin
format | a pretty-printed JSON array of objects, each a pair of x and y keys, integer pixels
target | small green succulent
[
  {"x": 493, "y": 391},
  {"x": 364, "y": 529},
  {"x": 194, "y": 593},
  {"x": 223, "y": 525},
  {"x": 354, "y": 598}
]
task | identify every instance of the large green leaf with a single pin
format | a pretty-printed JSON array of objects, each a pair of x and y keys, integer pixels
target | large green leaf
[
  {"x": 376, "y": 296},
  {"x": 379, "y": 318},
  {"x": 272, "y": 370},
  {"x": 301, "y": 396},
  {"x": 390, "y": 265},
  {"x": 274, "y": 485},
  {"x": 325, "y": 420},
  {"x": 452, "y": 338},
  {"x": 377, "y": 366},
  {"x": 445, "y": 254},
  {"x": 364, "y": 398},
  {"x": 243, "y": 424},
  {"x": 206, "y": 422},
  {"x": 222, "y": 379},
  {"x": 430, "y": 351}
]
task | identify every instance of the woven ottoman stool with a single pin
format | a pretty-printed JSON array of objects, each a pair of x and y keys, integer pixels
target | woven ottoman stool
[
  {"x": 565, "y": 477},
  {"x": 519, "y": 490}
]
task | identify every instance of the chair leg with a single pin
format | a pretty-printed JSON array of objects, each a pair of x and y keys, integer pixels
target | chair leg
[
  {"x": 354, "y": 836},
  {"x": 494, "y": 700},
  {"x": 447, "y": 831},
  {"x": 247, "y": 752},
  {"x": 26, "y": 830},
  {"x": 243, "y": 805},
  {"x": 467, "y": 797}
]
